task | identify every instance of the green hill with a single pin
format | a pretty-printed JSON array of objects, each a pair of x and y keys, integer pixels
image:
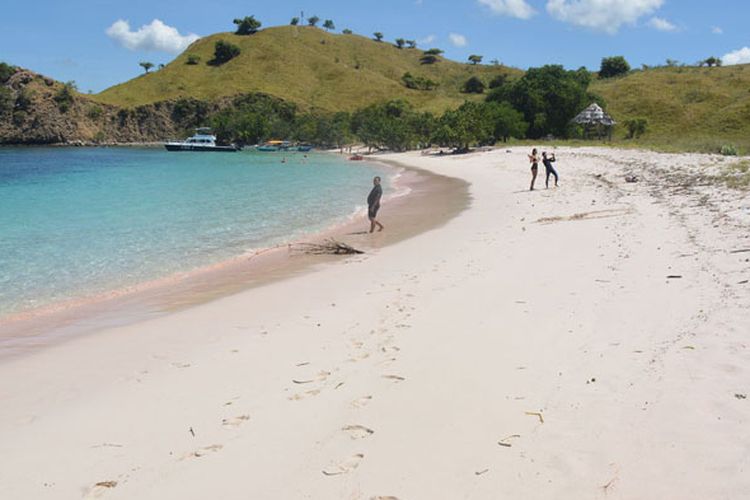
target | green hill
[
  {"x": 307, "y": 66},
  {"x": 688, "y": 108}
]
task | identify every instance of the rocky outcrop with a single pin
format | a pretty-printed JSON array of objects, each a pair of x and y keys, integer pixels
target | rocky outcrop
[{"x": 35, "y": 109}]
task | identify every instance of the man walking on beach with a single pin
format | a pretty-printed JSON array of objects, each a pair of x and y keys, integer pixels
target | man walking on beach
[{"x": 373, "y": 204}]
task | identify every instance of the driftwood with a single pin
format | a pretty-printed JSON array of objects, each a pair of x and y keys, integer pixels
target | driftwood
[{"x": 328, "y": 247}]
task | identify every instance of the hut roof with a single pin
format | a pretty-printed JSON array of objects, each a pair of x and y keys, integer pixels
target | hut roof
[{"x": 592, "y": 115}]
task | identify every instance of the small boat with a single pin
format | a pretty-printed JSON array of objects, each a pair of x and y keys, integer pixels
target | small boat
[
  {"x": 203, "y": 140},
  {"x": 273, "y": 146},
  {"x": 356, "y": 158}
]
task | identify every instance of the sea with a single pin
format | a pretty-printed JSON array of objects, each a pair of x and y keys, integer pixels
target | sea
[{"x": 83, "y": 222}]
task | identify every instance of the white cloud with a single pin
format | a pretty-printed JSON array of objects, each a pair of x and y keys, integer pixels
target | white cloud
[
  {"x": 513, "y": 8},
  {"x": 457, "y": 40},
  {"x": 741, "y": 56},
  {"x": 156, "y": 36},
  {"x": 427, "y": 40},
  {"x": 602, "y": 15},
  {"x": 716, "y": 30},
  {"x": 661, "y": 24}
]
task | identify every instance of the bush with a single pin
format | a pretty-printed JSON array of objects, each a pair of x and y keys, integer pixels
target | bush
[
  {"x": 473, "y": 86},
  {"x": 94, "y": 113},
  {"x": 347, "y": 31},
  {"x": 498, "y": 81},
  {"x": 613, "y": 66},
  {"x": 728, "y": 150},
  {"x": 224, "y": 52},
  {"x": 418, "y": 82},
  {"x": 6, "y": 71},
  {"x": 193, "y": 59},
  {"x": 428, "y": 59},
  {"x": 636, "y": 127},
  {"x": 64, "y": 97},
  {"x": 247, "y": 25}
]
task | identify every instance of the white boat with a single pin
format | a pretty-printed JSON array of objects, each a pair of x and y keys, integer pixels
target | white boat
[{"x": 203, "y": 140}]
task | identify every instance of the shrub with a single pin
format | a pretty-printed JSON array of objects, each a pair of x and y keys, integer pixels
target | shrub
[
  {"x": 428, "y": 59},
  {"x": 728, "y": 150},
  {"x": 473, "y": 86},
  {"x": 498, "y": 81},
  {"x": 224, "y": 52},
  {"x": 294, "y": 21},
  {"x": 94, "y": 112},
  {"x": 418, "y": 82},
  {"x": 193, "y": 59},
  {"x": 6, "y": 71},
  {"x": 247, "y": 25},
  {"x": 613, "y": 66},
  {"x": 64, "y": 96},
  {"x": 347, "y": 31},
  {"x": 636, "y": 127},
  {"x": 313, "y": 21}
]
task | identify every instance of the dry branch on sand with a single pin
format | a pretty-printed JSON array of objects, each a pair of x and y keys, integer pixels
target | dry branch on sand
[{"x": 328, "y": 247}]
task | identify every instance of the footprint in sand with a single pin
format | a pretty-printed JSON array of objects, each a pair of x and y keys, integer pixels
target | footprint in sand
[
  {"x": 181, "y": 365},
  {"x": 302, "y": 395},
  {"x": 100, "y": 488},
  {"x": 394, "y": 378},
  {"x": 361, "y": 402},
  {"x": 358, "y": 431},
  {"x": 206, "y": 450},
  {"x": 344, "y": 467},
  {"x": 234, "y": 422}
]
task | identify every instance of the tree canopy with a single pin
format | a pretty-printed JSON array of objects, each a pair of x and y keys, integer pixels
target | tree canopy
[
  {"x": 328, "y": 25},
  {"x": 613, "y": 66},
  {"x": 475, "y": 59},
  {"x": 549, "y": 97},
  {"x": 294, "y": 21},
  {"x": 146, "y": 65},
  {"x": 378, "y": 36},
  {"x": 247, "y": 25},
  {"x": 313, "y": 21},
  {"x": 473, "y": 86},
  {"x": 223, "y": 52}
]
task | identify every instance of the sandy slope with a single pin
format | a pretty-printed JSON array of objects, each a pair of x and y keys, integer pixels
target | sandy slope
[{"x": 534, "y": 347}]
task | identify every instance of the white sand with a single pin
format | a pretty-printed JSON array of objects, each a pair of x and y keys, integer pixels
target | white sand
[{"x": 413, "y": 362}]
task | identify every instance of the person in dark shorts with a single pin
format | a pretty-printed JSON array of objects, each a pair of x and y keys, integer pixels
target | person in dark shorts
[
  {"x": 534, "y": 160},
  {"x": 373, "y": 204},
  {"x": 548, "y": 161}
]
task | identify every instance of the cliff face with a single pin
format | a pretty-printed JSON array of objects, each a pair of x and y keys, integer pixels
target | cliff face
[{"x": 35, "y": 109}]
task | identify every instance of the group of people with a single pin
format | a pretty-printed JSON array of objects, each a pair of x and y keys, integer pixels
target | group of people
[
  {"x": 547, "y": 161},
  {"x": 373, "y": 199}
]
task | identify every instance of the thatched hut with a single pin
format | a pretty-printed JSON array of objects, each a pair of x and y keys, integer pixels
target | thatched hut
[{"x": 594, "y": 119}]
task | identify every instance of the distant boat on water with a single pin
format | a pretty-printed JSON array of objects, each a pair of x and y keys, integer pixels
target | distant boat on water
[
  {"x": 274, "y": 146},
  {"x": 202, "y": 141}
]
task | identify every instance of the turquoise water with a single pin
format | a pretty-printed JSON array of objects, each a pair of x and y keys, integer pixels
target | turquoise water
[{"x": 76, "y": 222}]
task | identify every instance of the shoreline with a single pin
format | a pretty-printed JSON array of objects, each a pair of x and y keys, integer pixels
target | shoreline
[
  {"x": 28, "y": 330},
  {"x": 581, "y": 342}
]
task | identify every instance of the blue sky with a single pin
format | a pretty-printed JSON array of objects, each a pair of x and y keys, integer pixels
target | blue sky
[{"x": 69, "y": 40}]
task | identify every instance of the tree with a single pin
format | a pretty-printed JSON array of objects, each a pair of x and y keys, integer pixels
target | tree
[
  {"x": 613, "y": 66},
  {"x": 549, "y": 97},
  {"x": 412, "y": 44},
  {"x": 6, "y": 100},
  {"x": 434, "y": 52},
  {"x": 313, "y": 21},
  {"x": 146, "y": 65},
  {"x": 347, "y": 31},
  {"x": 193, "y": 59},
  {"x": 328, "y": 25},
  {"x": 475, "y": 59},
  {"x": 162, "y": 65},
  {"x": 400, "y": 42},
  {"x": 495, "y": 62},
  {"x": 378, "y": 36},
  {"x": 294, "y": 21},
  {"x": 223, "y": 52},
  {"x": 507, "y": 121},
  {"x": 473, "y": 86},
  {"x": 712, "y": 61},
  {"x": 498, "y": 81},
  {"x": 247, "y": 25},
  {"x": 462, "y": 127}
]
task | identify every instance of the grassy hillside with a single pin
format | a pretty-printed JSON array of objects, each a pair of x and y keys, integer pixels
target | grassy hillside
[
  {"x": 697, "y": 109},
  {"x": 307, "y": 66}
]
